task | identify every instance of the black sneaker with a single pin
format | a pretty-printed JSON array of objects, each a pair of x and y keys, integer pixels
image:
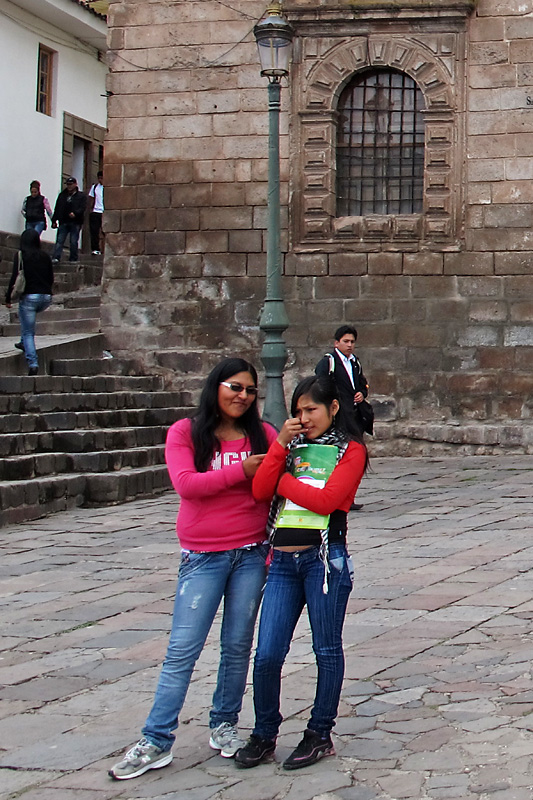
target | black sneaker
[
  {"x": 254, "y": 751},
  {"x": 313, "y": 747},
  {"x": 33, "y": 370},
  {"x": 19, "y": 346}
]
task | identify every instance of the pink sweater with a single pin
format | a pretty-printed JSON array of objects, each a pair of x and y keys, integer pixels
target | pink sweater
[{"x": 217, "y": 510}]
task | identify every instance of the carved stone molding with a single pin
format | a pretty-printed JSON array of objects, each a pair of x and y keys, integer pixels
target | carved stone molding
[
  {"x": 435, "y": 61},
  {"x": 313, "y": 12}
]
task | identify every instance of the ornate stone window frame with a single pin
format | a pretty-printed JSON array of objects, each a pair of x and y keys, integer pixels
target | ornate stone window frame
[{"x": 328, "y": 56}]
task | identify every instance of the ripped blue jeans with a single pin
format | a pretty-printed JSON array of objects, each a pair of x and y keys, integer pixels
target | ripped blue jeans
[
  {"x": 295, "y": 580},
  {"x": 204, "y": 579}
]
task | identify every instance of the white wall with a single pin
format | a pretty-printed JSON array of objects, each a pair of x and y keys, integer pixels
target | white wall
[{"x": 31, "y": 143}]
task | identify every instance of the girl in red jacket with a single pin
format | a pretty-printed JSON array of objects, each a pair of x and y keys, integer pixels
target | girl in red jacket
[{"x": 309, "y": 567}]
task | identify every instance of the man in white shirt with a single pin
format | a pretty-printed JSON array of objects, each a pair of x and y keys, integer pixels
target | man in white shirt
[
  {"x": 345, "y": 369},
  {"x": 95, "y": 216}
]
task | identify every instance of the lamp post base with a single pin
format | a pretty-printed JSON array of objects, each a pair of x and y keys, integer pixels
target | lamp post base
[{"x": 274, "y": 358}]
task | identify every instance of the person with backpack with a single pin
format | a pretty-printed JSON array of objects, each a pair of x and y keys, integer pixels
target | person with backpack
[{"x": 346, "y": 370}]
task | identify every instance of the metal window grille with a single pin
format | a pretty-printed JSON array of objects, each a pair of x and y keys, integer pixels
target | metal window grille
[
  {"x": 44, "y": 81},
  {"x": 380, "y": 145}
]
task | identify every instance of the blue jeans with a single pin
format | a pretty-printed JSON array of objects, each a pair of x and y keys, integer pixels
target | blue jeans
[
  {"x": 37, "y": 226},
  {"x": 296, "y": 580},
  {"x": 73, "y": 230},
  {"x": 29, "y": 306},
  {"x": 204, "y": 579}
]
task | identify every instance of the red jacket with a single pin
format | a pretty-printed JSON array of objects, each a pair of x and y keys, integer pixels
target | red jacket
[{"x": 338, "y": 493}]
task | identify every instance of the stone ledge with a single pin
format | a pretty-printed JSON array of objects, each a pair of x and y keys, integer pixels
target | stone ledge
[
  {"x": 297, "y": 11},
  {"x": 452, "y": 437}
]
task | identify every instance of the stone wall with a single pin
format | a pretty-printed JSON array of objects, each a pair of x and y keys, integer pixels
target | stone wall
[{"x": 444, "y": 311}]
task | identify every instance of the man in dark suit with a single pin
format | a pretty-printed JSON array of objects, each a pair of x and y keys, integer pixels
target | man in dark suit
[{"x": 345, "y": 369}]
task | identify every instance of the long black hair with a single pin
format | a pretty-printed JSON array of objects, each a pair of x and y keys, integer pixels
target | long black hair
[
  {"x": 30, "y": 241},
  {"x": 207, "y": 416},
  {"x": 322, "y": 389}
]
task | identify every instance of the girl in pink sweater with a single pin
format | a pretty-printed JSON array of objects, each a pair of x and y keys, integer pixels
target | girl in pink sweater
[{"x": 212, "y": 459}]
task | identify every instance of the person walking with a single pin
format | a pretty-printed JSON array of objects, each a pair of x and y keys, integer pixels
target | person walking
[
  {"x": 221, "y": 528},
  {"x": 344, "y": 367},
  {"x": 347, "y": 372},
  {"x": 68, "y": 216},
  {"x": 37, "y": 295},
  {"x": 34, "y": 209},
  {"x": 96, "y": 197},
  {"x": 310, "y": 565}
]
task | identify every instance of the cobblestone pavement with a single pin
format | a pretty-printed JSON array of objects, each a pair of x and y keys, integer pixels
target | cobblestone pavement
[{"x": 438, "y": 692}]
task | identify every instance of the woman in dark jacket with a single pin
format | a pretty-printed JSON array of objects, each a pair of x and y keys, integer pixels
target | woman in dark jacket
[
  {"x": 35, "y": 207},
  {"x": 37, "y": 296}
]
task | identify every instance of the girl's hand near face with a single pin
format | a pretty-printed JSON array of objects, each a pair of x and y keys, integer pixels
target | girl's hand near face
[{"x": 291, "y": 427}]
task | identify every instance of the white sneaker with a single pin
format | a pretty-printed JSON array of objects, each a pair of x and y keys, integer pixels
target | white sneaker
[
  {"x": 226, "y": 739},
  {"x": 97, "y": 253},
  {"x": 140, "y": 758}
]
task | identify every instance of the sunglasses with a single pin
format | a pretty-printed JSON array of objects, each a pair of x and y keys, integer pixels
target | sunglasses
[{"x": 238, "y": 388}]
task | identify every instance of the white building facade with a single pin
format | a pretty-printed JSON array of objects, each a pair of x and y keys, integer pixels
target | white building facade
[{"x": 52, "y": 100}]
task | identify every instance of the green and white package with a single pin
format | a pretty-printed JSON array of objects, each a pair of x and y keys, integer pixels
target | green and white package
[{"x": 313, "y": 464}]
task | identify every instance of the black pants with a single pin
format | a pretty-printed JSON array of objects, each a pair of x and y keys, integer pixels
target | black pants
[{"x": 95, "y": 226}]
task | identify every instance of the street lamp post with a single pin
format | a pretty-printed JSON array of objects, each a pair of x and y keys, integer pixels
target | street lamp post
[{"x": 274, "y": 39}]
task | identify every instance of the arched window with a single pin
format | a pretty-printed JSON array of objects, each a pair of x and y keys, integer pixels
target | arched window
[{"x": 380, "y": 145}]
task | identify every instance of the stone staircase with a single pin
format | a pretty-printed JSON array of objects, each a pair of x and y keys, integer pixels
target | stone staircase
[
  {"x": 88, "y": 429},
  {"x": 76, "y": 305},
  {"x": 69, "y": 440}
]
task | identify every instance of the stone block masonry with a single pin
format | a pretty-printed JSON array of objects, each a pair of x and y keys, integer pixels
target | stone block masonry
[{"x": 442, "y": 302}]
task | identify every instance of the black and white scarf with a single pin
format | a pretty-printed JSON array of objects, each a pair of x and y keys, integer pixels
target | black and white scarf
[{"x": 331, "y": 437}]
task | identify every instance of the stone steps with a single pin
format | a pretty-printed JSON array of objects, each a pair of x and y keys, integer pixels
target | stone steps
[
  {"x": 58, "y": 314},
  {"x": 89, "y": 429},
  {"x": 96, "y": 382},
  {"x": 66, "y": 307},
  {"x": 40, "y": 465},
  {"x": 82, "y": 440},
  {"x": 64, "y": 446},
  {"x": 92, "y": 401},
  {"x": 50, "y": 348},
  {"x": 19, "y": 424},
  {"x": 93, "y": 366},
  {"x": 65, "y": 282},
  {"x": 54, "y": 327},
  {"x": 76, "y": 303},
  {"x": 31, "y": 499},
  {"x": 79, "y": 300}
]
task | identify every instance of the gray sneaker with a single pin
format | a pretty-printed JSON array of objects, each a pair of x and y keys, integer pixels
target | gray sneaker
[
  {"x": 140, "y": 758},
  {"x": 225, "y": 738}
]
